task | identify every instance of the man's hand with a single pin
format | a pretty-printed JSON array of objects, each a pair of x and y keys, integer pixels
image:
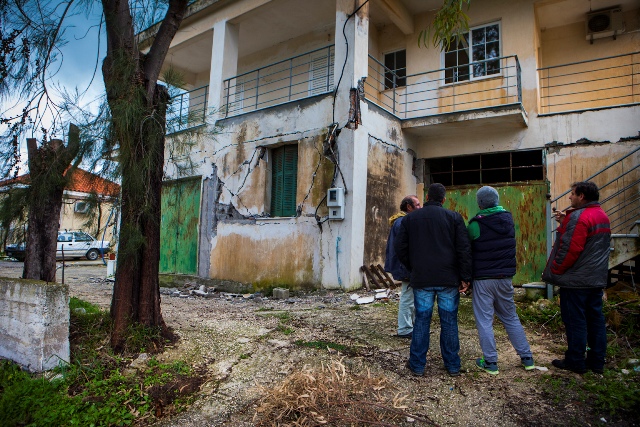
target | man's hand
[
  {"x": 558, "y": 215},
  {"x": 464, "y": 287}
]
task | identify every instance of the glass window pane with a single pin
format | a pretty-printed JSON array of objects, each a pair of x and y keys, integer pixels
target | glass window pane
[
  {"x": 493, "y": 33},
  {"x": 478, "y": 53},
  {"x": 389, "y": 61},
  {"x": 466, "y": 163},
  {"x": 450, "y": 59},
  {"x": 479, "y": 70},
  {"x": 493, "y": 50},
  {"x": 478, "y": 36},
  {"x": 401, "y": 59}
]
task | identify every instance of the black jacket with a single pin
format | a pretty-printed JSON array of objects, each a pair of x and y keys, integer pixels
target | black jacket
[{"x": 434, "y": 246}]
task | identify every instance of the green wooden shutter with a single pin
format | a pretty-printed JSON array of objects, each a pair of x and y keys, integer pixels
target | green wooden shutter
[{"x": 284, "y": 182}]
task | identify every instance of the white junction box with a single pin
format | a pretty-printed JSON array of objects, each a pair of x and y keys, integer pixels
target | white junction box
[{"x": 335, "y": 203}]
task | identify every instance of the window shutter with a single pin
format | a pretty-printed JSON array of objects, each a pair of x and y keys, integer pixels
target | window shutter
[
  {"x": 284, "y": 181},
  {"x": 290, "y": 177},
  {"x": 321, "y": 72}
]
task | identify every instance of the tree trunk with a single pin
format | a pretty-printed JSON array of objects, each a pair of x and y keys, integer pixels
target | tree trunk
[
  {"x": 47, "y": 166},
  {"x": 138, "y": 107}
]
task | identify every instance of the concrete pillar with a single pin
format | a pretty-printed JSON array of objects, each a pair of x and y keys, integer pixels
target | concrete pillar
[
  {"x": 352, "y": 145},
  {"x": 224, "y": 60}
]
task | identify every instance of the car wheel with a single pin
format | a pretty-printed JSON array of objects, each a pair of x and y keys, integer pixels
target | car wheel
[{"x": 93, "y": 255}]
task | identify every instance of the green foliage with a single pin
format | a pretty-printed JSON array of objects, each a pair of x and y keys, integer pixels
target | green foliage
[
  {"x": 613, "y": 393},
  {"x": 541, "y": 314},
  {"x": 285, "y": 329},
  {"x": 449, "y": 24},
  {"x": 95, "y": 389}
]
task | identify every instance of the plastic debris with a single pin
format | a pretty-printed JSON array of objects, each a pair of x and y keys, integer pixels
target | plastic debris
[
  {"x": 625, "y": 371},
  {"x": 542, "y": 368},
  {"x": 365, "y": 300},
  {"x": 354, "y": 297}
]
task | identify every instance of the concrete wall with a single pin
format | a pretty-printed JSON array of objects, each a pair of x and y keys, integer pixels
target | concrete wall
[{"x": 34, "y": 323}]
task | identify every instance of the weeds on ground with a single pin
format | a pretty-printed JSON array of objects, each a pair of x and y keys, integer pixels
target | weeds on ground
[
  {"x": 332, "y": 395},
  {"x": 323, "y": 345},
  {"x": 615, "y": 395},
  {"x": 97, "y": 388}
]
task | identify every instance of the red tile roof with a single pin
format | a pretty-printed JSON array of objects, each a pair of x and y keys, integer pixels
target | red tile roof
[{"x": 82, "y": 181}]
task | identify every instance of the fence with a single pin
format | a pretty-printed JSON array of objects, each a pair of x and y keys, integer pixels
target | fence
[
  {"x": 488, "y": 83},
  {"x": 294, "y": 78},
  {"x": 187, "y": 109},
  {"x": 597, "y": 83}
]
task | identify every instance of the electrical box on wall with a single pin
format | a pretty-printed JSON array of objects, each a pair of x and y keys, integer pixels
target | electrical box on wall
[{"x": 335, "y": 203}]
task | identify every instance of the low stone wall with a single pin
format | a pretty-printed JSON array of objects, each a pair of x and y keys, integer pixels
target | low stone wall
[{"x": 34, "y": 323}]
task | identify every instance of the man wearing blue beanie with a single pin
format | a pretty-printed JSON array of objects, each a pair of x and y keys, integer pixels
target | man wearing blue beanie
[{"x": 493, "y": 247}]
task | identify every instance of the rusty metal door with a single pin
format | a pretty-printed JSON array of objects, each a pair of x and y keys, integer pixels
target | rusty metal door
[
  {"x": 527, "y": 204},
  {"x": 179, "y": 226}
]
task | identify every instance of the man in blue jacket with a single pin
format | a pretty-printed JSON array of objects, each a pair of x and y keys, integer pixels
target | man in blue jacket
[
  {"x": 434, "y": 246},
  {"x": 493, "y": 243},
  {"x": 392, "y": 264}
]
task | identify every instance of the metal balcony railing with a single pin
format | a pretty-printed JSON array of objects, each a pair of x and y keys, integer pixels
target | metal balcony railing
[
  {"x": 294, "y": 78},
  {"x": 603, "y": 82},
  {"x": 187, "y": 109},
  {"x": 488, "y": 83},
  {"x": 619, "y": 185}
]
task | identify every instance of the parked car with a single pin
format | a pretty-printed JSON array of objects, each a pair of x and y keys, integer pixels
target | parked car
[
  {"x": 71, "y": 244},
  {"x": 15, "y": 250}
]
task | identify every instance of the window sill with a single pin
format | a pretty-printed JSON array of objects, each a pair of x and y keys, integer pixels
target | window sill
[{"x": 275, "y": 218}]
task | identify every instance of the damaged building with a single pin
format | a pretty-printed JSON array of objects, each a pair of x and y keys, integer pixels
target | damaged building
[{"x": 284, "y": 100}]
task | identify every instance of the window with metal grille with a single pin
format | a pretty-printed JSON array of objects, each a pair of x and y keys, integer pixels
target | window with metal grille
[
  {"x": 516, "y": 166},
  {"x": 395, "y": 74},
  {"x": 466, "y": 61},
  {"x": 284, "y": 180}
]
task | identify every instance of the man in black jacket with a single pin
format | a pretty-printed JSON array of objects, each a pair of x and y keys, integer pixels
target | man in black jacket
[{"x": 434, "y": 246}]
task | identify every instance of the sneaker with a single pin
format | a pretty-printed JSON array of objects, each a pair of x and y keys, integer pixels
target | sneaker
[
  {"x": 562, "y": 364},
  {"x": 527, "y": 363},
  {"x": 409, "y": 335},
  {"x": 414, "y": 373},
  {"x": 454, "y": 373},
  {"x": 489, "y": 367}
]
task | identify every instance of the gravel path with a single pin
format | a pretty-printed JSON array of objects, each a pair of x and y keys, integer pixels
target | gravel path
[{"x": 245, "y": 342}]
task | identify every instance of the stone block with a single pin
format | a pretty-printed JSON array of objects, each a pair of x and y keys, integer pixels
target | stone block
[
  {"x": 280, "y": 293},
  {"x": 34, "y": 323}
]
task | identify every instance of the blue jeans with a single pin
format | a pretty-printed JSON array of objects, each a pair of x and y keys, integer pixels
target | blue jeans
[
  {"x": 448, "y": 300},
  {"x": 581, "y": 311},
  {"x": 406, "y": 311}
]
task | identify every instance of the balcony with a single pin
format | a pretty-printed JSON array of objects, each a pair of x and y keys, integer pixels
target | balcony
[
  {"x": 483, "y": 89},
  {"x": 612, "y": 81},
  {"x": 187, "y": 109},
  {"x": 288, "y": 80}
]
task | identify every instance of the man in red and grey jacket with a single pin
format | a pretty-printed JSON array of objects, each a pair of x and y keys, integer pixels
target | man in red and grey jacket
[{"x": 579, "y": 264}]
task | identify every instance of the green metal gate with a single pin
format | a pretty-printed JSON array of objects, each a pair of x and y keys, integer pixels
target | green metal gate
[
  {"x": 527, "y": 203},
  {"x": 179, "y": 226}
]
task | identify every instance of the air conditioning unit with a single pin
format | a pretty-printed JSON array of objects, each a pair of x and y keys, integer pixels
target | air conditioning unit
[
  {"x": 81, "y": 207},
  {"x": 604, "y": 23}
]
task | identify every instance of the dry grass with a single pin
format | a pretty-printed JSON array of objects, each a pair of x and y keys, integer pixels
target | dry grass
[{"x": 332, "y": 396}]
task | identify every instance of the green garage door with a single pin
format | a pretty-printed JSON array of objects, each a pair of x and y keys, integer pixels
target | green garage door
[
  {"x": 527, "y": 203},
  {"x": 179, "y": 226}
]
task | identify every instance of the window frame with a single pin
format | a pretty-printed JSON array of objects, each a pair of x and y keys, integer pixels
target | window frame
[
  {"x": 384, "y": 62},
  {"x": 470, "y": 55},
  {"x": 278, "y": 156},
  {"x": 514, "y": 167}
]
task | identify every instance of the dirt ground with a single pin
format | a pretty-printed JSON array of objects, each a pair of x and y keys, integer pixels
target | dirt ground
[{"x": 245, "y": 342}]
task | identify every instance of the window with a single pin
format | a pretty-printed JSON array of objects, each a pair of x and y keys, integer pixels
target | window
[
  {"x": 284, "y": 180},
  {"x": 485, "y": 44},
  {"x": 321, "y": 71},
  {"x": 486, "y": 168},
  {"x": 395, "y": 72}
]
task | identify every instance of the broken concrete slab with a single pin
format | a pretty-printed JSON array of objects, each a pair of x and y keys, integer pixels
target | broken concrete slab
[{"x": 280, "y": 293}]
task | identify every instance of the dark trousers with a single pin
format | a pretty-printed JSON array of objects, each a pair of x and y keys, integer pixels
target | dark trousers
[{"x": 581, "y": 311}]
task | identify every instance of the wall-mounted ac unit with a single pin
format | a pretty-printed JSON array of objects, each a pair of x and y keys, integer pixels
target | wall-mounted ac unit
[
  {"x": 81, "y": 207},
  {"x": 604, "y": 23}
]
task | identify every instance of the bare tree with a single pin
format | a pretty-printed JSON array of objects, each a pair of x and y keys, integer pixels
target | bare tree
[{"x": 47, "y": 179}]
